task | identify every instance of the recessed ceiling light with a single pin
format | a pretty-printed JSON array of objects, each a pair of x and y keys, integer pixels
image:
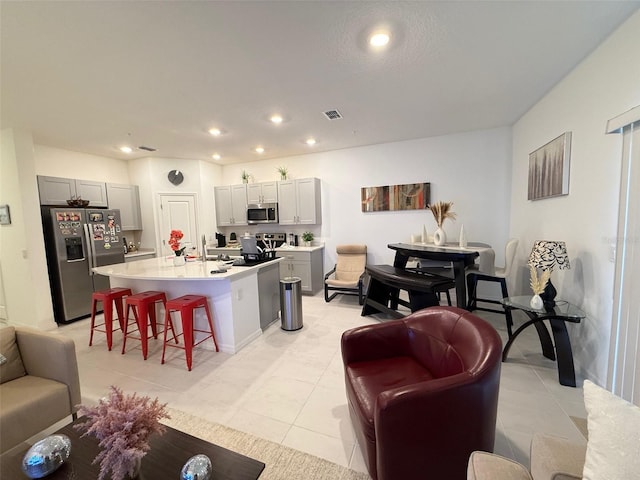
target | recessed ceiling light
[
  {"x": 216, "y": 156},
  {"x": 310, "y": 141},
  {"x": 379, "y": 39},
  {"x": 216, "y": 132},
  {"x": 277, "y": 119},
  {"x": 126, "y": 149},
  {"x": 259, "y": 149}
]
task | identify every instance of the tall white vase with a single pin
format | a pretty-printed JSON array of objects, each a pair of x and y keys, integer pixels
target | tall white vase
[
  {"x": 462, "y": 242},
  {"x": 439, "y": 237},
  {"x": 425, "y": 237}
]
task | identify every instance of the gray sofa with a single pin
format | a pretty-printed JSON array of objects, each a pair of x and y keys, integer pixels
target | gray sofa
[
  {"x": 39, "y": 383},
  {"x": 552, "y": 458}
]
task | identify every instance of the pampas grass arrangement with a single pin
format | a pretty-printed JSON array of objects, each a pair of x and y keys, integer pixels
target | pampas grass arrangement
[
  {"x": 538, "y": 283},
  {"x": 441, "y": 211},
  {"x": 122, "y": 424}
]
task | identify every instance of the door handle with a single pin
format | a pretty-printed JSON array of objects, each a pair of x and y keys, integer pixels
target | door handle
[
  {"x": 87, "y": 239},
  {"x": 77, "y": 260}
]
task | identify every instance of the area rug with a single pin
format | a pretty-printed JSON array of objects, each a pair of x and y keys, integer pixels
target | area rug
[{"x": 282, "y": 463}]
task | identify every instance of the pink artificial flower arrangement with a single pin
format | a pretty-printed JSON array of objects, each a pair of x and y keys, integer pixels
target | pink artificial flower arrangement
[
  {"x": 122, "y": 424},
  {"x": 174, "y": 242}
]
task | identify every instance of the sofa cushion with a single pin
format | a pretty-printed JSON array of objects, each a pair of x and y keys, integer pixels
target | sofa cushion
[
  {"x": 29, "y": 404},
  {"x": 12, "y": 368},
  {"x": 487, "y": 466},
  {"x": 614, "y": 426},
  {"x": 556, "y": 458}
]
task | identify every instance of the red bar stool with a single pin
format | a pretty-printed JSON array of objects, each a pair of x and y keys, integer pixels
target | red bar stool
[
  {"x": 144, "y": 308},
  {"x": 186, "y": 305},
  {"x": 108, "y": 298}
]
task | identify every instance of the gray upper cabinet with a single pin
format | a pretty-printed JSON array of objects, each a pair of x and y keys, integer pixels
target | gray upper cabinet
[
  {"x": 265, "y": 192},
  {"x": 56, "y": 191},
  {"x": 126, "y": 198},
  {"x": 95, "y": 192},
  {"x": 231, "y": 205},
  {"x": 299, "y": 202}
]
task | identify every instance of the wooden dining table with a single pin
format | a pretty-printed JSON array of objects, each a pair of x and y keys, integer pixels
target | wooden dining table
[{"x": 461, "y": 259}]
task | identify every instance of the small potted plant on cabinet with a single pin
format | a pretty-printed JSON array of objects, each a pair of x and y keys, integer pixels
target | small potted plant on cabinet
[
  {"x": 283, "y": 172},
  {"x": 245, "y": 176},
  {"x": 307, "y": 238}
]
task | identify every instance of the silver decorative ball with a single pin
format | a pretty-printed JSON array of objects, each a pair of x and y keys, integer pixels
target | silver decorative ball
[
  {"x": 46, "y": 456},
  {"x": 197, "y": 467}
]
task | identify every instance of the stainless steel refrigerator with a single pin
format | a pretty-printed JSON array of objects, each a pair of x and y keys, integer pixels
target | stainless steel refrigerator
[{"x": 76, "y": 240}]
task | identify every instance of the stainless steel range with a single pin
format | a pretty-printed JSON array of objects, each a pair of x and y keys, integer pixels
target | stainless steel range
[{"x": 271, "y": 240}]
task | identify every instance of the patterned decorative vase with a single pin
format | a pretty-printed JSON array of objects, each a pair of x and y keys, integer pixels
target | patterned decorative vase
[
  {"x": 439, "y": 237},
  {"x": 179, "y": 260}
]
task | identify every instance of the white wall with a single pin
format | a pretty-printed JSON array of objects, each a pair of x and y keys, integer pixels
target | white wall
[
  {"x": 472, "y": 169},
  {"x": 57, "y": 162},
  {"x": 23, "y": 272},
  {"x": 150, "y": 174},
  {"x": 603, "y": 86}
]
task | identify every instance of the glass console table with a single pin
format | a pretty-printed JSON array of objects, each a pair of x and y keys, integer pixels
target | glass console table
[{"x": 560, "y": 348}]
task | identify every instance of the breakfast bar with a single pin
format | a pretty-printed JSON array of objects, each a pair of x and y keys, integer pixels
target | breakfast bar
[{"x": 244, "y": 299}]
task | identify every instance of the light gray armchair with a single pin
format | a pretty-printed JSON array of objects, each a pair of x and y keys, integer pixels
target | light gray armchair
[
  {"x": 39, "y": 383},
  {"x": 347, "y": 276}
]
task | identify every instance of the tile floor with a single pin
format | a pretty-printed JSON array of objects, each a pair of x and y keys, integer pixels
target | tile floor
[{"x": 288, "y": 387}]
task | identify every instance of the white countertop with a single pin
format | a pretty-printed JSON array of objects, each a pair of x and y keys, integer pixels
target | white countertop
[{"x": 163, "y": 269}]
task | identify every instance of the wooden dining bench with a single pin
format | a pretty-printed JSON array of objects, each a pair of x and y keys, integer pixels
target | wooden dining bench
[{"x": 386, "y": 281}]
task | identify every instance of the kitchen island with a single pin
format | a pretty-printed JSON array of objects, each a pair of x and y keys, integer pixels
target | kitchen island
[{"x": 244, "y": 300}]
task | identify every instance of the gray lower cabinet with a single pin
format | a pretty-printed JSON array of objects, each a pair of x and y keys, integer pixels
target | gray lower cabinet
[
  {"x": 135, "y": 258},
  {"x": 268, "y": 295},
  {"x": 126, "y": 198},
  {"x": 304, "y": 264},
  {"x": 57, "y": 190}
]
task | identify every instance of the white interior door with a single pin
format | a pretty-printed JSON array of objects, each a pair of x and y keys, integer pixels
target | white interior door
[
  {"x": 624, "y": 355},
  {"x": 178, "y": 212}
]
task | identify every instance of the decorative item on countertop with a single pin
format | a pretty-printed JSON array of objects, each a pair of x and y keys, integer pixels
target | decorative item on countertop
[
  {"x": 537, "y": 285},
  {"x": 546, "y": 255},
  {"x": 197, "y": 467},
  {"x": 425, "y": 236},
  {"x": 46, "y": 456},
  {"x": 307, "y": 238},
  {"x": 462, "y": 241},
  {"x": 441, "y": 211},
  {"x": 245, "y": 176},
  {"x": 122, "y": 424},
  {"x": 283, "y": 172},
  {"x": 174, "y": 242}
]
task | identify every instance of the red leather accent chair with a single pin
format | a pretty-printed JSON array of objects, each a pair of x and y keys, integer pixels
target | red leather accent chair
[{"x": 423, "y": 392}]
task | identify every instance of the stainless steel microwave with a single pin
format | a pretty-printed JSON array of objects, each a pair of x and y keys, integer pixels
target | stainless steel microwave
[{"x": 262, "y": 213}]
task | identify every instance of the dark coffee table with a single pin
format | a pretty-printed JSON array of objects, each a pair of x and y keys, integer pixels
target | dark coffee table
[{"x": 165, "y": 460}]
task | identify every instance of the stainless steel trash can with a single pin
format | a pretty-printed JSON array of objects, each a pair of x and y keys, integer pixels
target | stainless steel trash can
[{"x": 291, "y": 303}]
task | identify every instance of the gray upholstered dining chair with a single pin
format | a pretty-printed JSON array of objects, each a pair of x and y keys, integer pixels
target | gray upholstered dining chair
[
  {"x": 347, "y": 275},
  {"x": 500, "y": 276}
]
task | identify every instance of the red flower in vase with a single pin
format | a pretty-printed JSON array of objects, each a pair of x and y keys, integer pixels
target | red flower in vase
[{"x": 174, "y": 242}]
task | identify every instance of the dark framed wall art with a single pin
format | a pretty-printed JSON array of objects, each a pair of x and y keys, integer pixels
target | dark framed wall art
[{"x": 549, "y": 168}]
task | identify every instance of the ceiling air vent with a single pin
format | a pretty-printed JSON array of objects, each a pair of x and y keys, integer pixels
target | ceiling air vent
[
  {"x": 333, "y": 114},
  {"x": 148, "y": 149}
]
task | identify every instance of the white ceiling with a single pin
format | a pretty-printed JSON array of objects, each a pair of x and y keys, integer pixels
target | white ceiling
[{"x": 92, "y": 76}]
